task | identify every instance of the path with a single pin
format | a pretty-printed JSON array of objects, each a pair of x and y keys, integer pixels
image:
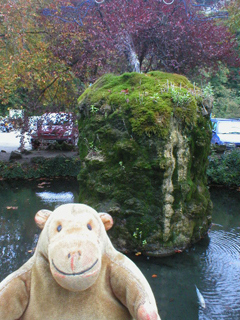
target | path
[{"x": 10, "y": 141}]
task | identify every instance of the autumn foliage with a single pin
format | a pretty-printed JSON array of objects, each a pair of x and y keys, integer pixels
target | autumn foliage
[
  {"x": 32, "y": 75},
  {"x": 44, "y": 57},
  {"x": 163, "y": 37}
]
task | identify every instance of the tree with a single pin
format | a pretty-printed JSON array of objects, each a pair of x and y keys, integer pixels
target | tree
[
  {"x": 234, "y": 16},
  {"x": 149, "y": 35},
  {"x": 39, "y": 50},
  {"x": 33, "y": 77}
]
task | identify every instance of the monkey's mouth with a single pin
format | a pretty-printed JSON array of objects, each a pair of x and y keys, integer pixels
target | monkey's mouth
[{"x": 74, "y": 273}]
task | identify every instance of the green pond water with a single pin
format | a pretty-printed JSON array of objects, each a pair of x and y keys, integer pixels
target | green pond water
[{"x": 213, "y": 264}]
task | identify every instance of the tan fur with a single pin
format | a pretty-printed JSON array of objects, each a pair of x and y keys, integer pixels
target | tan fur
[{"x": 76, "y": 274}]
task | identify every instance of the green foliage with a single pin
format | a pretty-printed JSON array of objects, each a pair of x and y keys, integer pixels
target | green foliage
[
  {"x": 180, "y": 96},
  {"x": 64, "y": 146},
  {"x": 224, "y": 169},
  {"x": 224, "y": 85},
  {"x": 234, "y": 16},
  {"x": 208, "y": 91},
  {"x": 227, "y": 93},
  {"x": 93, "y": 109},
  {"x": 40, "y": 167},
  {"x": 138, "y": 235}
]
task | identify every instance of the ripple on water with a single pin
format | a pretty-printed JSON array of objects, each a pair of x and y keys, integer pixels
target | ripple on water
[{"x": 220, "y": 275}]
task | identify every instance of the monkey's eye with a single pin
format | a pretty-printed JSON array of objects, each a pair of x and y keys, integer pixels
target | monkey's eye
[
  {"x": 59, "y": 228},
  {"x": 89, "y": 226}
]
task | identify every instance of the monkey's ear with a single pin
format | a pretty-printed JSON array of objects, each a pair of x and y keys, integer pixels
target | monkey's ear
[
  {"x": 41, "y": 217},
  {"x": 107, "y": 220}
]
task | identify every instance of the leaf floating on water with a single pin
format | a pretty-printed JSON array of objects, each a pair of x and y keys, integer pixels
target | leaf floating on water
[
  {"x": 138, "y": 253},
  {"x": 11, "y": 208},
  {"x": 42, "y": 184}
]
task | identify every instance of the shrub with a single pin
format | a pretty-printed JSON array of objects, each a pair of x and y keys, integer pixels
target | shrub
[
  {"x": 40, "y": 167},
  {"x": 224, "y": 169}
]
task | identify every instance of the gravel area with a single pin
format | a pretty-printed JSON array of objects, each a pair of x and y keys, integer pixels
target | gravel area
[{"x": 10, "y": 141}]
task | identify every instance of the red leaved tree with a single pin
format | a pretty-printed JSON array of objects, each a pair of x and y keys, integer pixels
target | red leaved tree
[{"x": 140, "y": 35}]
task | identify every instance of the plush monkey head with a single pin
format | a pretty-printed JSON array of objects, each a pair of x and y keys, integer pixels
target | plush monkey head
[{"x": 73, "y": 240}]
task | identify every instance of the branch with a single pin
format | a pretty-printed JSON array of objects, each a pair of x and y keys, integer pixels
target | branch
[
  {"x": 149, "y": 65},
  {"x": 45, "y": 89}
]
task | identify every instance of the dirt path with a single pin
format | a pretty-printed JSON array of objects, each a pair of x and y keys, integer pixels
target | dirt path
[{"x": 10, "y": 141}]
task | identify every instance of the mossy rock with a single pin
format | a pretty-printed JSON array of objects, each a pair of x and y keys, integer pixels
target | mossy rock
[{"x": 144, "y": 141}]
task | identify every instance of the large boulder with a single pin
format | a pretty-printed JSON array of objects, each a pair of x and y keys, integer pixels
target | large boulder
[{"x": 144, "y": 141}]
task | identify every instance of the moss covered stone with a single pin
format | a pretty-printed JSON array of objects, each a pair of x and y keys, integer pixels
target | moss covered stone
[{"x": 144, "y": 141}]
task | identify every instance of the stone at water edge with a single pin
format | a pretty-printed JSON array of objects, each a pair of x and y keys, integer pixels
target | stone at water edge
[{"x": 15, "y": 155}]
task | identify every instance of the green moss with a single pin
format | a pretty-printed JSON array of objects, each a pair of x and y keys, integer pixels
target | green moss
[
  {"x": 125, "y": 127},
  {"x": 146, "y": 100}
]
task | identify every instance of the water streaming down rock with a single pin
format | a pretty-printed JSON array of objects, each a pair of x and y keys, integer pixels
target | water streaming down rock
[
  {"x": 144, "y": 148},
  {"x": 127, "y": 47},
  {"x": 134, "y": 61}
]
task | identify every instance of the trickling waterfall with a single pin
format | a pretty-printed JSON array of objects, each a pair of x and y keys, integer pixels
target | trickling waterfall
[
  {"x": 127, "y": 46},
  {"x": 134, "y": 62}
]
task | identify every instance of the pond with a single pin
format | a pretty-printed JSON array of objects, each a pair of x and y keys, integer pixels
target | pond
[{"x": 213, "y": 264}]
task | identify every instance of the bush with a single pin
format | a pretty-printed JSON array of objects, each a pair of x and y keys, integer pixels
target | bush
[
  {"x": 224, "y": 169},
  {"x": 40, "y": 167}
]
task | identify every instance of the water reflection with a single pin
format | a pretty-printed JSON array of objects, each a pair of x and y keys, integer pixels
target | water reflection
[
  {"x": 53, "y": 197},
  {"x": 213, "y": 265}
]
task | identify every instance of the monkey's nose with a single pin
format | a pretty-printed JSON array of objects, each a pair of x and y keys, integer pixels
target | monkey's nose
[{"x": 74, "y": 256}]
